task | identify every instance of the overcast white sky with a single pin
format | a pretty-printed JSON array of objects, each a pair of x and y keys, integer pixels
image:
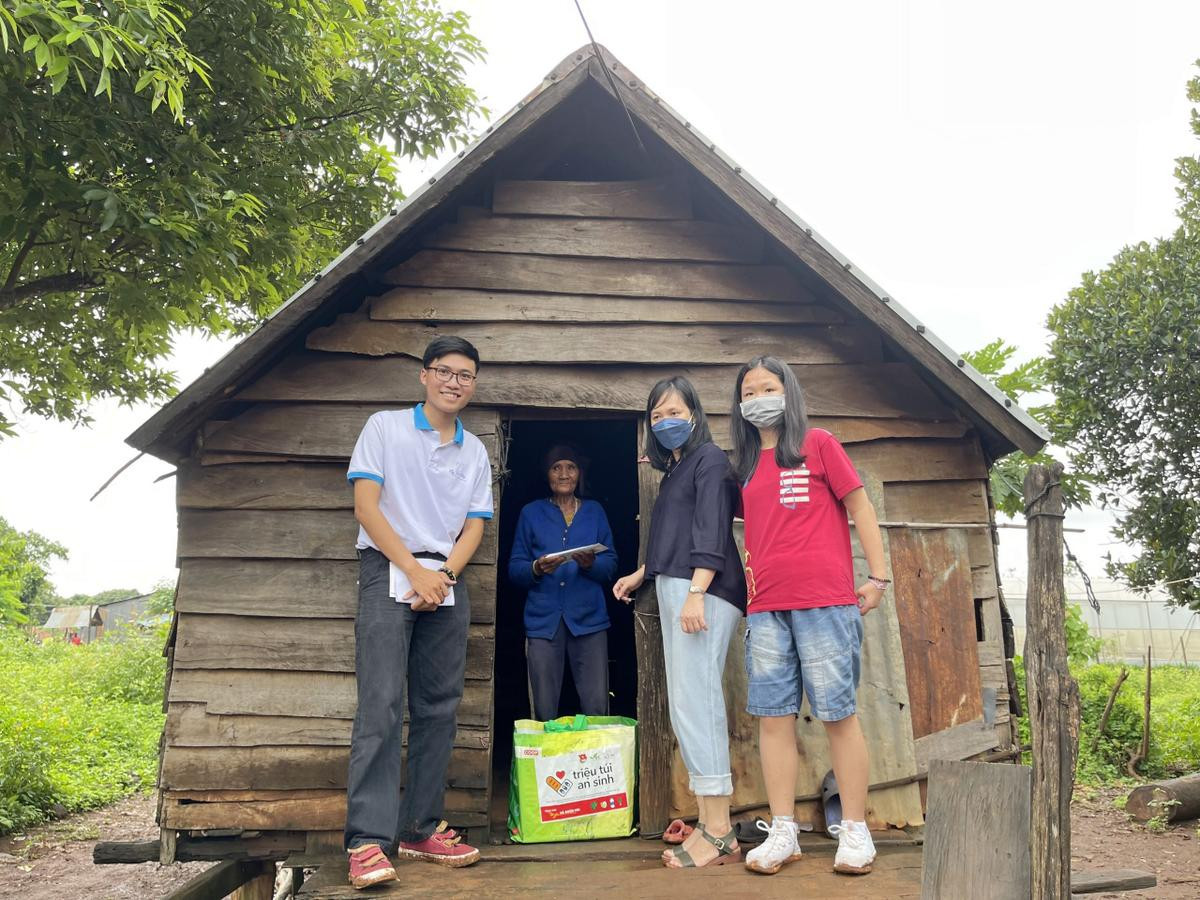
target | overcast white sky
[{"x": 974, "y": 160}]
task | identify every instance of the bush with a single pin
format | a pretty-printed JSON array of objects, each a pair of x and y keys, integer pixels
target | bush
[
  {"x": 79, "y": 726},
  {"x": 1174, "y": 721}
]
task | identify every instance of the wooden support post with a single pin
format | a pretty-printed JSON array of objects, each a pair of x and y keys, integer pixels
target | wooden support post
[
  {"x": 166, "y": 846},
  {"x": 1053, "y": 695},
  {"x": 655, "y": 746},
  {"x": 223, "y": 879}
]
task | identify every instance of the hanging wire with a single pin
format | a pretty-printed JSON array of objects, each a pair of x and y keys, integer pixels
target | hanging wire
[
  {"x": 1093, "y": 601},
  {"x": 612, "y": 84}
]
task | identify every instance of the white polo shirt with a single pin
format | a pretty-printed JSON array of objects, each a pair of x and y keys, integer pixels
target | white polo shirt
[{"x": 430, "y": 489}]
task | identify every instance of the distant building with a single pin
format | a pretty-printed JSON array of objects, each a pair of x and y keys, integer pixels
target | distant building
[
  {"x": 1128, "y": 622},
  {"x": 121, "y": 612},
  {"x": 86, "y": 621}
]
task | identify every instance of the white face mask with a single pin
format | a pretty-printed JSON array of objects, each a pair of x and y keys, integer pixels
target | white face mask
[{"x": 763, "y": 412}]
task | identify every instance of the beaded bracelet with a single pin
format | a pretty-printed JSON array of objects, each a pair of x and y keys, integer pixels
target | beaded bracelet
[{"x": 881, "y": 583}]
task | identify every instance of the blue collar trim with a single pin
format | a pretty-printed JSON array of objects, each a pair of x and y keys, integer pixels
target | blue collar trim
[{"x": 422, "y": 423}]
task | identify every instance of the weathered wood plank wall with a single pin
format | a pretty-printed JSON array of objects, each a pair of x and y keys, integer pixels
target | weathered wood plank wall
[{"x": 579, "y": 296}]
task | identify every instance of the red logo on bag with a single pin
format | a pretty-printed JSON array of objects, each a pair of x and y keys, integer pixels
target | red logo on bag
[
  {"x": 560, "y": 774},
  {"x": 583, "y": 757}
]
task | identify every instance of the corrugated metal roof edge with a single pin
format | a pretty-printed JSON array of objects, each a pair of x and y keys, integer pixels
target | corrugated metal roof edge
[{"x": 146, "y": 436}]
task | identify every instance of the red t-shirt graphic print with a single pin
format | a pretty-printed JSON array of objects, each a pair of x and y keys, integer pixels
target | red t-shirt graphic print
[{"x": 797, "y": 534}]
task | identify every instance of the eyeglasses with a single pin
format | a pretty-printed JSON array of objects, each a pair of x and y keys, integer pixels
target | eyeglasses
[{"x": 445, "y": 374}]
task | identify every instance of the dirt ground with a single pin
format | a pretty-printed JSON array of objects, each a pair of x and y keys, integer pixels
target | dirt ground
[
  {"x": 1102, "y": 837},
  {"x": 55, "y": 860}
]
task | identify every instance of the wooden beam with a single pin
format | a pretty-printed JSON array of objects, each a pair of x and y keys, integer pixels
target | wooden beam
[
  {"x": 653, "y": 198},
  {"x": 1052, "y": 693},
  {"x": 281, "y": 534},
  {"x": 655, "y": 737},
  {"x": 413, "y": 304},
  {"x": 278, "y": 692},
  {"x": 620, "y": 278},
  {"x": 955, "y": 743},
  {"x": 589, "y": 344},
  {"x": 277, "y": 845},
  {"x": 302, "y": 588},
  {"x": 309, "y": 645},
  {"x": 683, "y": 239},
  {"x": 881, "y": 390},
  {"x": 221, "y": 880},
  {"x": 1103, "y": 881}
]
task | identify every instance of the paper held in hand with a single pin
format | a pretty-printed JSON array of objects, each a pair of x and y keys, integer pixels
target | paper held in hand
[
  {"x": 590, "y": 548},
  {"x": 400, "y": 584}
]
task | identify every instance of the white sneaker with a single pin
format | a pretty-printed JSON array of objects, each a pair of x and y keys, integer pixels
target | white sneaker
[
  {"x": 777, "y": 850},
  {"x": 856, "y": 850}
]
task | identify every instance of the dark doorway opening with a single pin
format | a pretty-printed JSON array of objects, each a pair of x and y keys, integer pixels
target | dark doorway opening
[{"x": 610, "y": 446}]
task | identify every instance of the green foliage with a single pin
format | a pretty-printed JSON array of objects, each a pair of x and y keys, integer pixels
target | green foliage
[
  {"x": 26, "y": 595},
  {"x": 1082, "y": 647},
  {"x": 168, "y": 166},
  {"x": 83, "y": 729},
  {"x": 1174, "y": 721},
  {"x": 162, "y": 599},
  {"x": 1125, "y": 367},
  {"x": 1024, "y": 380}
]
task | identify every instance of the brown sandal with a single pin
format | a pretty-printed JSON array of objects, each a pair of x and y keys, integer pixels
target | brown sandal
[{"x": 726, "y": 853}]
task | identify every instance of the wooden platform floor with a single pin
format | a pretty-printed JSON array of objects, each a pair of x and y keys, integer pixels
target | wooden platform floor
[{"x": 630, "y": 873}]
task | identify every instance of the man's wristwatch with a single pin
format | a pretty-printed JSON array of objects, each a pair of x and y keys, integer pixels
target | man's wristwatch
[{"x": 450, "y": 572}]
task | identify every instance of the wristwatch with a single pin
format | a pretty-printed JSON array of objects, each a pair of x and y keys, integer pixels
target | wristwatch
[{"x": 693, "y": 589}]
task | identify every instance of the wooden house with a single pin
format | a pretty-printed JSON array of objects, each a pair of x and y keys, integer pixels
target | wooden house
[{"x": 591, "y": 242}]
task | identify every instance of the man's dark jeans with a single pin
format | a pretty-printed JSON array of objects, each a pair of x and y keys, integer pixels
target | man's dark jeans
[{"x": 394, "y": 649}]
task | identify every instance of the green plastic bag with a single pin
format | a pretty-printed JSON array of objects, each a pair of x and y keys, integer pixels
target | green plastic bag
[{"x": 573, "y": 779}]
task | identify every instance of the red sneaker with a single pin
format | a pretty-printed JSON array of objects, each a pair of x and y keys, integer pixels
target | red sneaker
[
  {"x": 444, "y": 847},
  {"x": 369, "y": 865}
]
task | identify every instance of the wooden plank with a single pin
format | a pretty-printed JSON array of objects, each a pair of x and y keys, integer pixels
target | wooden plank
[
  {"x": 288, "y": 768},
  {"x": 935, "y": 609},
  {"x": 282, "y": 534},
  {"x": 651, "y": 198},
  {"x": 977, "y": 831},
  {"x": 276, "y": 692},
  {"x": 220, "y": 880},
  {"x": 958, "y": 742},
  {"x": 303, "y": 588},
  {"x": 410, "y": 304},
  {"x": 919, "y": 460},
  {"x": 681, "y": 239},
  {"x": 881, "y": 390},
  {"x": 305, "y": 437},
  {"x": 311, "y": 645},
  {"x": 619, "y": 278},
  {"x": 300, "y": 810},
  {"x": 936, "y": 501},
  {"x": 1102, "y": 881},
  {"x": 189, "y": 725},
  {"x": 551, "y": 342}
]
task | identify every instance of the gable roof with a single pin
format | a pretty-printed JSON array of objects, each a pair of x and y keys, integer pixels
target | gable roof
[{"x": 1005, "y": 426}]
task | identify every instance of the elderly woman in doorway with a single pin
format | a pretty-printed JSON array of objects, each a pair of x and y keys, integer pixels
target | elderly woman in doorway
[
  {"x": 701, "y": 588},
  {"x": 565, "y": 614}
]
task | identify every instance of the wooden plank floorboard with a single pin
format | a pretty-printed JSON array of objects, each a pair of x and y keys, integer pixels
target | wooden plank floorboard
[{"x": 896, "y": 875}]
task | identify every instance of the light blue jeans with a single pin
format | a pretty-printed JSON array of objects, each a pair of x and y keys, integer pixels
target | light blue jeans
[{"x": 695, "y": 665}]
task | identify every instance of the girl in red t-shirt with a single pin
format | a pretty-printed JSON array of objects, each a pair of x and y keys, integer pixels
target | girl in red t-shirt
[{"x": 804, "y": 612}]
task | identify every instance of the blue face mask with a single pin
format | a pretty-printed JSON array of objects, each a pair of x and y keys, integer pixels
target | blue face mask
[{"x": 672, "y": 433}]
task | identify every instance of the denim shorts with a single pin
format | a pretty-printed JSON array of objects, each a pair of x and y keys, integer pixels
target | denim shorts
[{"x": 817, "y": 651}]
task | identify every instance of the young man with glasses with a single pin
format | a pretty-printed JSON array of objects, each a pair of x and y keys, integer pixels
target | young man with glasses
[{"x": 422, "y": 490}]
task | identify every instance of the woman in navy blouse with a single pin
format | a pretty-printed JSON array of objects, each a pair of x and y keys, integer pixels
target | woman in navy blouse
[{"x": 565, "y": 614}]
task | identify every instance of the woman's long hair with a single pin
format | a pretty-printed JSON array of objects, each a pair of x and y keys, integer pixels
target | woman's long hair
[
  {"x": 661, "y": 458},
  {"x": 747, "y": 444}
]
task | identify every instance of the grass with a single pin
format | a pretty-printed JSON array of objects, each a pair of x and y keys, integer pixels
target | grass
[
  {"x": 79, "y": 726},
  {"x": 1174, "y": 722}
]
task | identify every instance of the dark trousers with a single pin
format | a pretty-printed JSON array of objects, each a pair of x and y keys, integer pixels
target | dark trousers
[
  {"x": 588, "y": 655},
  {"x": 398, "y": 651}
]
